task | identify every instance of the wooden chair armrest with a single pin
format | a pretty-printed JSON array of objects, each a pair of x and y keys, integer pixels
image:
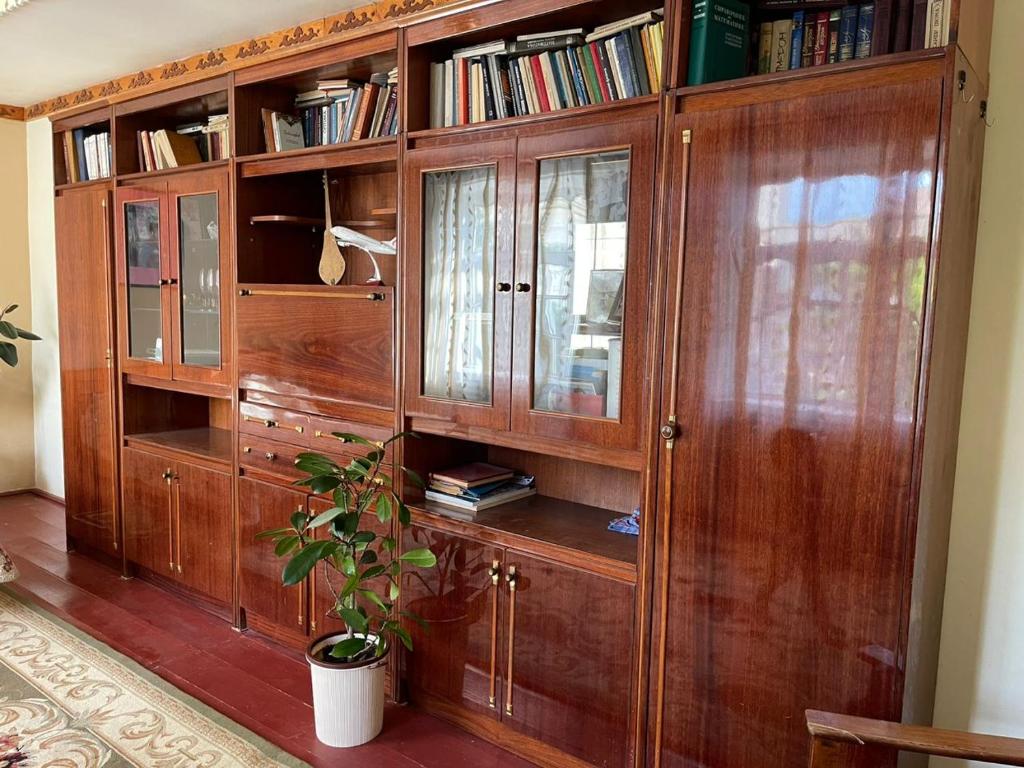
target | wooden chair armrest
[{"x": 826, "y": 726}]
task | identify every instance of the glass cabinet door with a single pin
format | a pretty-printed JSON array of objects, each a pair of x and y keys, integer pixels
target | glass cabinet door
[
  {"x": 458, "y": 287},
  {"x": 143, "y": 293},
  {"x": 582, "y": 283},
  {"x": 199, "y": 269}
]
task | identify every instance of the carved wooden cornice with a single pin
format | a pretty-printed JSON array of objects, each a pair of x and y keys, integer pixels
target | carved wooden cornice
[
  {"x": 7, "y": 112},
  {"x": 349, "y": 24}
]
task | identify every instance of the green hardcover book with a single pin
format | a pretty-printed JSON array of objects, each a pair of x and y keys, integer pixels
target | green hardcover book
[{"x": 719, "y": 38}]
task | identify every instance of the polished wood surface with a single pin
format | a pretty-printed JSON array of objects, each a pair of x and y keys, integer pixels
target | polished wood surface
[
  {"x": 149, "y": 511},
  {"x": 202, "y": 530},
  {"x": 87, "y": 373},
  {"x": 453, "y": 648},
  {"x": 318, "y": 345},
  {"x": 210, "y": 443},
  {"x": 571, "y": 682},
  {"x": 828, "y": 731},
  {"x": 801, "y": 315},
  {"x": 263, "y": 599},
  {"x": 639, "y": 137}
]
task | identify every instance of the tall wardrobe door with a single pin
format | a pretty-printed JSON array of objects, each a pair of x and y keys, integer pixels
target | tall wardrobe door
[
  {"x": 84, "y": 290},
  {"x": 795, "y": 399}
]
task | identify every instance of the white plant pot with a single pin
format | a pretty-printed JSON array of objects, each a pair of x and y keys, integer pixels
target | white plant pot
[{"x": 348, "y": 699}]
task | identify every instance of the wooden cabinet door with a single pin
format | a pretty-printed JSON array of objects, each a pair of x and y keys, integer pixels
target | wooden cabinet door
[
  {"x": 141, "y": 223},
  {"x": 87, "y": 373},
  {"x": 583, "y": 207},
  {"x": 199, "y": 213},
  {"x": 568, "y": 659},
  {"x": 268, "y": 605},
  {"x": 458, "y": 282},
  {"x": 149, "y": 511},
  {"x": 202, "y": 530},
  {"x": 803, "y": 243},
  {"x": 455, "y": 654}
]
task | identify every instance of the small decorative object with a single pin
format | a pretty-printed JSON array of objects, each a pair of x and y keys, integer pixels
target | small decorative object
[
  {"x": 363, "y": 571},
  {"x": 349, "y": 238},
  {"x": 332, "y": 263},
  {"x": 630, "y": 524}
]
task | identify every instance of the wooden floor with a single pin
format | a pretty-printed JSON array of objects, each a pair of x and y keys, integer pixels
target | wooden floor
[{"x": 254, "y": 682}]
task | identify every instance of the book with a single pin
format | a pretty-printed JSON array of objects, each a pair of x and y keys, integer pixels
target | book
[
  {"x": 494, "y": 500},
  {"x": 472, "y": 475},
  {"x": 719, "y": 40},
  {"x": 476, "y": 51},
  {"x": 903, "y": 12},
  {"x": 882, "y": 33},
  {"x": 807, "y": 49},
  {"x": 865, "y": 30},
  {"x": 764, "y": 48},
  {"x": 437, "y": 95},
  {"x": 782, "y": 36},
  {"x": 934, "y": 36},
  {"x": 612, "y": 28},
  {"x": 848, "y": 33},
  {"x": 79, "y": 156},
  {"x": 557, "y": 33},
  {"x": 919, "y": 24},
  {"x": 176, "y": 150},
  {"x": 285, "y": 131},
  {"x": 834, "y": 19},
  {"x": 536, "y": 45},
  {"x": 821, "y": 38},
  {"x": 796, "y": 45}
]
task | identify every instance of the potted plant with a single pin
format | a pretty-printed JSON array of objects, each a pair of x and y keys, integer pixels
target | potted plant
[{"x": 363, "y": 571}]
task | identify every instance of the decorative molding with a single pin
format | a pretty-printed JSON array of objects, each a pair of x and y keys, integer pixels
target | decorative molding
[
  {"x": 7, "y": 112},
  {"x": 350, "y": 24}
]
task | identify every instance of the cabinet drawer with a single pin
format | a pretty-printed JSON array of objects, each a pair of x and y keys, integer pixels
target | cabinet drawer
[
  {"x": 273, "y": 423},
  {"x": 322, "y": 439},
  {"x": 269, "y": 456},
  {"x": 330, "y": 343}
]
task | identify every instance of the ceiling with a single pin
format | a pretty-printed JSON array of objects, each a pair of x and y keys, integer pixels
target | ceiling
[{"x": 52, "y": 47}]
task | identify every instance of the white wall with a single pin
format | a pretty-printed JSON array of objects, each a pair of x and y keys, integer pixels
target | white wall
[
  {"x": 16, "y": 429},
  {"x": 981, "y": 667},
  {"x": 49, "y": 447}
]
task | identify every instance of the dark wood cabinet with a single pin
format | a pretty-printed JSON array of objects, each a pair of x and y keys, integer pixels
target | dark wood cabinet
[
  {"x": 174, "y": 278},
  {"x": 178, "y": 522},
  {"x": 87, "y": 373}
]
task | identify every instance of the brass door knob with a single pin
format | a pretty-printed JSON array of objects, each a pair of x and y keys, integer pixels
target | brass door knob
[
  {"x": 504, "y": 287},
  {"x": 270, "y": 455},
  {"x": 669, "y": 431},
  {"x": 522, "y": 287}
]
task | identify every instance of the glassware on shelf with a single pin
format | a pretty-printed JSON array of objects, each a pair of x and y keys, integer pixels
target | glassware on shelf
[{"x": 583, "y": 202}]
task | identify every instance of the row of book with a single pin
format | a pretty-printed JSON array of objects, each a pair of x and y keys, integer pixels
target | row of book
[
  {"x": 720, "y": 34},
  {"x": 471, "y": 488},
  {"x": 86, "y": 155},
  {"x": 196, "y": 142},
  {"x": 336, "y": 112},
  {"x": 549, "y": 71}
]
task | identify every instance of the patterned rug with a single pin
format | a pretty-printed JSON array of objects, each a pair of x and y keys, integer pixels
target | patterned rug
[{"x": 69, "y": 701}]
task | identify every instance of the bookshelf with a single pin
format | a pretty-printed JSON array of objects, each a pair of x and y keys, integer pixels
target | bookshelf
[{"x": 82, "y": 149}]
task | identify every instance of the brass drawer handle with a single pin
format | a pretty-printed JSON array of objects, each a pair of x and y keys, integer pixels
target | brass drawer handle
[
  {"x": 329, "y": 436},
  {"x": 270, "y": 456},
  {"x": 246, "y": 449}
]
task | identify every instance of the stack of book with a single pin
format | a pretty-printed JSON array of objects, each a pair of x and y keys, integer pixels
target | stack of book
[
  {"x": 812, "y": 38},
  {"x": 86, "y": 155},
  {"x": 471, "y": 488},
  {"x": 197, "y": 142},
  {"x": 336, "y": 112},
  {"x": 548, "y": 71}
]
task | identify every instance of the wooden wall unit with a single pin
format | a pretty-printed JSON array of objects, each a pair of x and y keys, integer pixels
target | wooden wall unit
[{"x": 793, "y": 256}]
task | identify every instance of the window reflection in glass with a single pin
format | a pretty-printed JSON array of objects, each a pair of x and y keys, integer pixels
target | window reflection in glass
[
  {"x": 199, "y": 267},
  {"x": 142, "y": 253}
]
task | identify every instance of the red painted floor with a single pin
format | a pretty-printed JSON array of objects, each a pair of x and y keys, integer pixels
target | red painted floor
[{"x": 256, "y": 683}]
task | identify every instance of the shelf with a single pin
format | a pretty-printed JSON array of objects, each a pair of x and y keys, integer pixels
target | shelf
[
  {"x": 172, "y": 171},
  {"x": 370, "y": 152},
  {"x": 209, "y": 443},
  {"x": 83, "y": 184},
  {"x": 306, "y": 221},
  {"x": 552, "y": 527},
  {"x": 591, "y": 110},
  {"x": 218, "y": 391}
]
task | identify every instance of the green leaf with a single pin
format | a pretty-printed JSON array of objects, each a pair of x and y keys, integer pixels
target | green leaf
[
  {"x": 8, "y": 353},
  {"x": 323, "y": 483},
  {"x": 274, "y": 534},
  {"x": 368, "y": 557},
  {"x": 413, "y": 477},
  {"x": 383, "y": 508},
  {"x": 348, "y": 565},
  {"x": 350, "y": 586},
  {"x": 349, "y": 647},
  {"x": 404, "y": 636},
  {"x": 10, "y": 308},
  {"x": 422, "y": 558},
  {"x": 298, "y": 520},
  {"x": 372, "y": 572},
  {"x": 374, "y": 598},
  {"x": 404, "y": 516},
  {"x": 350, "y": 523},
  {"x": 388, "y": 544},
  {"x": 7, "y": 329},
  {"x": 286, "y": 545},
  {"x": 353, "y": 618},
  {"x": 326, "y": 517},
  {"x": 349, "y": 437},
  {"x": 300, "y": 565},
  {"x": 28, "y": 335},
  {"x": 393, "y": 591},
  {"x": 363, "y": 537}
]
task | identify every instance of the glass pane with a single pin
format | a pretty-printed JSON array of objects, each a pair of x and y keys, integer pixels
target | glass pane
[
  {"x": 142, "y": 241},
  {"x": 583, "y": 203},
  {"x": 459, "y": 210},
  {"x": 199, "y": 267}
]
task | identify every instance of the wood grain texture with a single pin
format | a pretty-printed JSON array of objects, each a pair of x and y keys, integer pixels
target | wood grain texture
[
  {"x": 149, "y": 511},
  {"x": 805, "y": 265},
  {"x": 318, "y": 346},
  {"x": 210, "y": 445},
  {"x": 87, "y": 375},
  {"x": 202, "y": 531},
  {"x": 10, "y": 112}
]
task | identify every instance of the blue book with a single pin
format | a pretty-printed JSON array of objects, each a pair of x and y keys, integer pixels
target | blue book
[
  {"x": 83, "y": 168},
  {"x": 626, "y": 66},
  {"x": 848, "y": 33},
  {"x": 577, "y": 78},
  {"x": 797, "y": 43},
  {"x": 865, "y": 31}
]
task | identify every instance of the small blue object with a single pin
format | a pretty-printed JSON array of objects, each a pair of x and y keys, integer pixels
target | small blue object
[{"x": 629, "y": 524}]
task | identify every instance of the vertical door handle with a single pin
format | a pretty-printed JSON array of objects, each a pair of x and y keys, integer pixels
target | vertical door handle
[
  {"x": 177, "y": 518},
  {"x": 302, "y": 617},
  {"x": 168, "y": 476},
  {"x": 312, "y": 600},
  {"x": 495, "y": 573},
  {"x": 512, "y": 578}
]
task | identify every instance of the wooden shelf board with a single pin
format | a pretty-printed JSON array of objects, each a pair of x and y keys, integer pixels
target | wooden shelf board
[
  {"x": 588, "y": 111},
  {"x": 352, "y": 153},
  {"x": 210, "y": 443},
  {"x": 306, "y": 221},
  {"x": 83, "y": 184},
  {"x": 192, "y": 388},
  {"x": 172, "y": 171},
  {"x": 550, "y": 527}
]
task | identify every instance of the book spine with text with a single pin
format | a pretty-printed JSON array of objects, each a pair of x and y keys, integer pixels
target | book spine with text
[
  {"x": 796, "y": 45},
  {"x": 848, "y": 33},
  {"x": 865, "y": 31},
  {"x": 821, "y": 38},
  {"x": 807, "y": 49}
]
